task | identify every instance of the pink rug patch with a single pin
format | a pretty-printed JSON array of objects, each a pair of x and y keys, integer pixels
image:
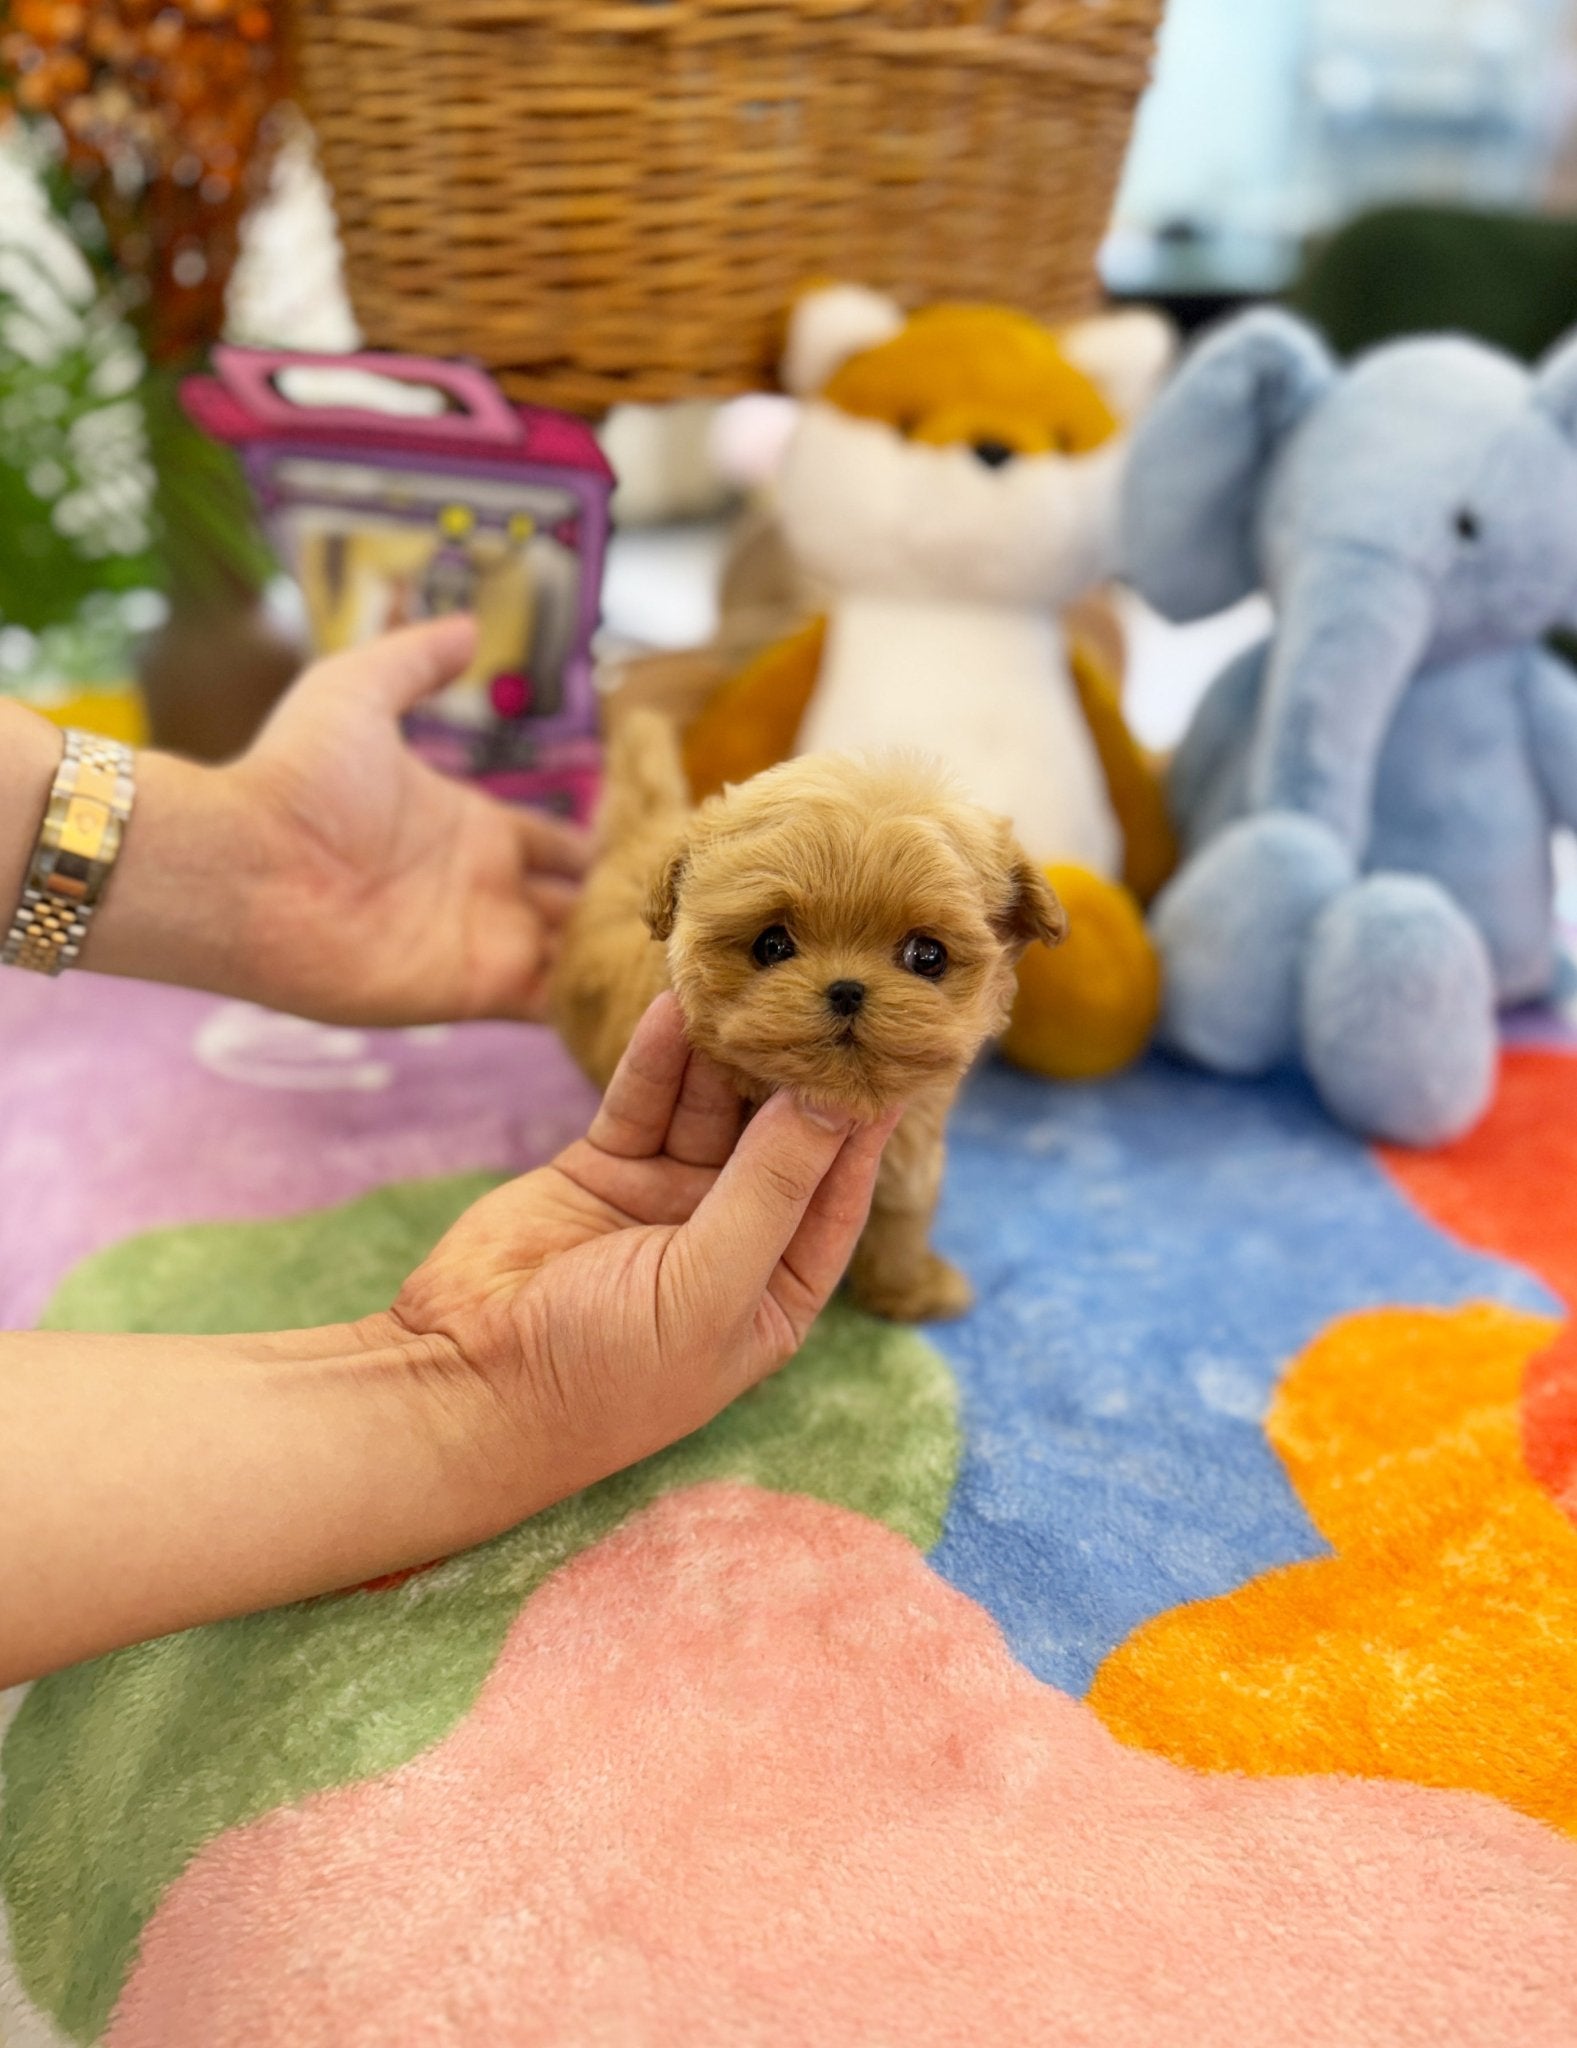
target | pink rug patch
[
  {"x": 225, "y": 1113},
  {"x": 748, "y": 1771}
]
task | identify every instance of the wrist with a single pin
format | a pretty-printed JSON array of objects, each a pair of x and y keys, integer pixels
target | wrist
[
  {"x": 176, "y": 909},
  {"x": 355, "y": 1450},
  {"x": 478, "y": 1474}
]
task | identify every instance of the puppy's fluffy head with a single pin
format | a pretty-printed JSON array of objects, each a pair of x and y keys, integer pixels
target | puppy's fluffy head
[{"x": 847, "y": 929}]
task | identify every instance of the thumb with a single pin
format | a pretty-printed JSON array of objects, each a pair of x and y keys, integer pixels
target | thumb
[
  {"x": 402, "y": 668},
  {"x": 749, "y": 1217}
]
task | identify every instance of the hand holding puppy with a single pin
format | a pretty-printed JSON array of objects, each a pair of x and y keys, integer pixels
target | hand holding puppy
[{"x": 616, "y": 1299}]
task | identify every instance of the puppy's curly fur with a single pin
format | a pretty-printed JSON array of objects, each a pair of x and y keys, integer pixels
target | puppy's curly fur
[{"x": 844, "y": 928}]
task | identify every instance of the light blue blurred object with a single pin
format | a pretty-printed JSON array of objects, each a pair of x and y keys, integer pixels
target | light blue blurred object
[
  {"x": 1269, "y": 122},
  {"x": 1367, "y": 799}
]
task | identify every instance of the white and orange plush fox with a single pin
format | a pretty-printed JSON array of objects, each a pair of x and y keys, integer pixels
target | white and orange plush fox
[{"x": 948, "y": 485}]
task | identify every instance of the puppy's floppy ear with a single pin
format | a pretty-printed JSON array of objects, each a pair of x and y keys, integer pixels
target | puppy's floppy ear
[
  {"x": 1033, "y": 909},
  {"x": 662, "y": 898}
]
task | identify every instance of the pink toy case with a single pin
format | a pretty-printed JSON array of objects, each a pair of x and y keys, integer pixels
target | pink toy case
[{"x": 398, "y": 487}]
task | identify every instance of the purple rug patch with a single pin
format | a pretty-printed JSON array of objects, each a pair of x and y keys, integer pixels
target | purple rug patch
[{"x": 124, "y": 1107}]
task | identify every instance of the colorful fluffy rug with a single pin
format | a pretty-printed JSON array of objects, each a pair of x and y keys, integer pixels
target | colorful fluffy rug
[{"x": 1181, "y": 1650}]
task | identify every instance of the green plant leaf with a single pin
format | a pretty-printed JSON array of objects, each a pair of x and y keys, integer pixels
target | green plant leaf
[{"x": 76, "y": 483}]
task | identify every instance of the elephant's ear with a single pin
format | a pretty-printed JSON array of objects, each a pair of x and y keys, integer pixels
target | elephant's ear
[
  {"x": 1201, "y": 455},
  {"x": 830, "y": 324},
  {"x": 1555, "y": 384}
]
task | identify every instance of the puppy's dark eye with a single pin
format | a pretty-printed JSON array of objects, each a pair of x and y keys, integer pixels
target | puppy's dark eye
[
  {"x": 773, "y": 947},
  {"x": 1466, "y": 524},
  {"x": 925, "y": 957}
]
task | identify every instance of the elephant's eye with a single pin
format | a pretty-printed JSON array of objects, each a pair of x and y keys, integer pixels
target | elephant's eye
[{"x": 1466, "y": 523}]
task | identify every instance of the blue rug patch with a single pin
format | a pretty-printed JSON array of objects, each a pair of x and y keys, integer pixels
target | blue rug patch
[{"x": 1140, "y": 1293}]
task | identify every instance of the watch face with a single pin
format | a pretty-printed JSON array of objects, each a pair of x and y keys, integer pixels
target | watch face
[{"x": 70, "y": 875}]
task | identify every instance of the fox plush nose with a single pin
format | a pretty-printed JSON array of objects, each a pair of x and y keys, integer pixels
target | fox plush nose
[
  {"x": 845, "y": 997},
  {"x": 993, "y": 453}
]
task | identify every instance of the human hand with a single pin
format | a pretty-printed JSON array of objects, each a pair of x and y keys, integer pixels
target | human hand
[
  {"x": 331, "y": 873},
  {"x": 388, "y": 893},
  {"x": 327, "y": 872},
  {"x": 615, "y": 1300}
]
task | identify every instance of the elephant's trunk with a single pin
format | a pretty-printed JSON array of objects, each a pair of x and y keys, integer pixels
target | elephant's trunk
[{"x": 1351, "y": 631}]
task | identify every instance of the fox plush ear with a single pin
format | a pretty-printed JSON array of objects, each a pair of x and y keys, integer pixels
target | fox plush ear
[
  {"x": 1127, "y": 356},
  {"x": 661, "y": 907},
  {"x": 1033, "y": 910},
  {"x": 829, "y": 325}
]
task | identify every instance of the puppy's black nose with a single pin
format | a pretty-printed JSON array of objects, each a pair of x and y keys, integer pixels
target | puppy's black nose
[
  {"x": 993, "y": 453},
  {"x": 845, "y": 997}
]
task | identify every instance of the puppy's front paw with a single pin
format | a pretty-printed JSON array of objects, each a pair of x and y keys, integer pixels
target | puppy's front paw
[{"x": 932, "y": 1291}]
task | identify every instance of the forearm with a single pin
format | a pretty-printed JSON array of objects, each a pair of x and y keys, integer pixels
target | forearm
[
  {"x": 152, "y": 1483},
  {"x": 177, "y": 907}
]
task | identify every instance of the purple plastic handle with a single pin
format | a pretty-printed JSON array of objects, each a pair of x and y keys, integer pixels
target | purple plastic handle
[{"x": 248, "y": 374}]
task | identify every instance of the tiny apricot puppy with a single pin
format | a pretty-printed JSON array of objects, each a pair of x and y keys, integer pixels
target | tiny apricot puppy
[{"x": 844, "y": 928}]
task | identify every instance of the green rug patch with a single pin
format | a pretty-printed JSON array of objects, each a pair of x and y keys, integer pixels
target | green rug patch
[
  {"x": 118, "y": 1771},
  {"x": 216, "y": 1279}
]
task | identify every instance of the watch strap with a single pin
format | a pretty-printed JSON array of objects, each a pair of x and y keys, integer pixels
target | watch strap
[{"x": 84, "y": 823}]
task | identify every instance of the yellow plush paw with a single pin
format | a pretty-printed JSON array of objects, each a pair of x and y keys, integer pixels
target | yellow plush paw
[
  {"x": 750, "y": 724},
  {"x": 1088, "y": 1007}
]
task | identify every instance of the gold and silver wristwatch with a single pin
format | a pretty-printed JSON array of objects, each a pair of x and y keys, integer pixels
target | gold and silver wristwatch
[{"x": 89, "y": 806}]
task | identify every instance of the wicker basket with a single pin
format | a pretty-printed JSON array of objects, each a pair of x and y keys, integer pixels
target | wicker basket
[{"x": 617, "y": 199}]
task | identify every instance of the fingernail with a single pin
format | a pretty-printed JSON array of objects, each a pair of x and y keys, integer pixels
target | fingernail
[{"x": 823, "y": 1119}]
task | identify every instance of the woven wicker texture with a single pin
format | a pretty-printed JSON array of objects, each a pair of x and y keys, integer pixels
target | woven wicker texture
[{"x": 618, "y": 199}]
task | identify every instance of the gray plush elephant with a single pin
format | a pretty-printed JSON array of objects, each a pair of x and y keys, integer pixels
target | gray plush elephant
[{"x": 1366, "y": 798}]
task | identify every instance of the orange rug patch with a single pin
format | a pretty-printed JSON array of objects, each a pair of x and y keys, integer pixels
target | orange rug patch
[{"x": 1440, "y": 1644}]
